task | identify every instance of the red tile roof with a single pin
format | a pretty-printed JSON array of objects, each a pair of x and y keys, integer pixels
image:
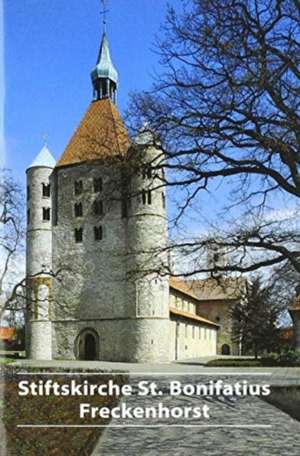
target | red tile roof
[
  {"x": 225, "y": 288},
  {"x": 191, "y": 316},
  {"x": 7, "y": 333},
  {"x": 183, "y": 287},
  {"x": 101, "y": 134}
]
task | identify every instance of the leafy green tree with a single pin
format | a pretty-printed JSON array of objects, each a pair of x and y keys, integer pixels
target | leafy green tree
[{"x": 256, "y": 319}]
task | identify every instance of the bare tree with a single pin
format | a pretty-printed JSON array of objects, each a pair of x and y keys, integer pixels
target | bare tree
[
  {"x": 11, "y": 232},
  {"x": 226, "y": 111}
]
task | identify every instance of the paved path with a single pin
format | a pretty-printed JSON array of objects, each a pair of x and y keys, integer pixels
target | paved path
[
  {"x": 282, "y": 439},
  {"x": 279, "y": 375}
]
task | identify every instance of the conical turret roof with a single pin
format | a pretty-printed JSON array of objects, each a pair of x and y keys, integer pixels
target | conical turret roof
[{"x": 44, "y": 159}]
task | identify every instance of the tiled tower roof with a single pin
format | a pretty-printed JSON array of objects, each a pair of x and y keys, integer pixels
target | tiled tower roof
[{"x": 101, "y": 134}]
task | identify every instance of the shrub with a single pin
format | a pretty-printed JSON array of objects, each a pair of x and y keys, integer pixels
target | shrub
[
  {"x": 234, "y": 362},
  {"x": 287, "y": 358}
]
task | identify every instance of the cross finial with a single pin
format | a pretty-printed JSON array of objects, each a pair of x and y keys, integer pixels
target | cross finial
[
  {"x": 45, "y": 139},
  {"x": 103, "y": 13}
]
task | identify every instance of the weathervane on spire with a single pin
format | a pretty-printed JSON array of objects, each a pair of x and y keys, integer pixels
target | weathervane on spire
[{"x": 104, "y": 13}]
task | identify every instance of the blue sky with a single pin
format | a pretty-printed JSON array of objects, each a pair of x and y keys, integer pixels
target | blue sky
[
  {"x": 50, "y": 48},
  {"x": 2, "y": 86}
]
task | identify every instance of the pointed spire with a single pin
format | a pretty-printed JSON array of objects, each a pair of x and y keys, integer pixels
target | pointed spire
[
  {"x": 104, "y": 75},
  {"x": 104, "y": 66},
  {"x": 44, "y": 159}
]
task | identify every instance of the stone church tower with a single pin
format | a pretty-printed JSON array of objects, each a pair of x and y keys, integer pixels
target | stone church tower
[
  {"x": 108, "y": 219},
  {"x": 39, "y": 255}
]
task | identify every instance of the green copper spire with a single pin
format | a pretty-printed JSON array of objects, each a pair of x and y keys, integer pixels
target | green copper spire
[
  {"x": 104, "y": 67},
  {"x": 104, "y": 76}
]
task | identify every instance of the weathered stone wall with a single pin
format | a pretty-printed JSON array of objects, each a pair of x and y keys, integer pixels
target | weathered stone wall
[
  {"x": 38, "y": 261},
  {"x": 147, "y": 262},
  {"x": 41, "y": 340},
  {"x": 94, "y": 282},
  {"x": 101, "y": 289},
  {"x": 191, "y": 339},
  {"x": 128, "y": 340},
  {"x": 219, "y": 312},
  {"x": 39, "y": 234},
  {"x": 183, "y": 302}
]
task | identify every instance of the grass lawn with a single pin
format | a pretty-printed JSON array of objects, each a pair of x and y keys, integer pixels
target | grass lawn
[
  {"x": 51, "y": 410},
  {"x": 286, "y": 398},
  {"x": 5, "y": 361}
]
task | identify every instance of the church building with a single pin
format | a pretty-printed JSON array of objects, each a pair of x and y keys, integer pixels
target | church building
[{"x": 97, "y": 265}]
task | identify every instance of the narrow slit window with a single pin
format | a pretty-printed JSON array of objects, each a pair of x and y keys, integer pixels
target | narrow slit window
[
  {"x": 147, "y": 172},
  {"x": 124, "y": 208},
  {"x": 46, "y": 190},
  {"x": 46, "y": 214},
  {"x": 78, "y": 235},
  {"x": 144, "y": 199},
  {"x": 28, "y": 216},
  {"x": 98, "y": 233},
  {"x": 28, "y": 193},
  {"x": 149, "y": 197},
  {"x": 98, "y": 185},
  {"x": 78, "y": 187},
  {"x": 163, "y": 197},
  {"x": 98, "y": 207},
  {"x": 78, "y": 210}
]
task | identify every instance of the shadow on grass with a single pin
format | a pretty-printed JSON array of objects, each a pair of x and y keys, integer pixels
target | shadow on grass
[{"x": 52, "y": 410}]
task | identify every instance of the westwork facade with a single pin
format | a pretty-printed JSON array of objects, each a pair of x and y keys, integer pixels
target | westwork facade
[{"x": 96, "y": 257}]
